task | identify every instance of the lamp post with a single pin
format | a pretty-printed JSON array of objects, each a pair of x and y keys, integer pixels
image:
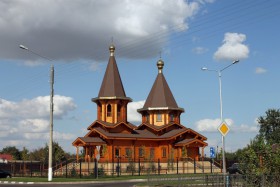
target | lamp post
[
  {"x": 221, "y": 105},
  {"x": 50, "y": 172}
]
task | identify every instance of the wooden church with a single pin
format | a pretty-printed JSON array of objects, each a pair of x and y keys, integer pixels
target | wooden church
[{"x": 160, "y": 136}]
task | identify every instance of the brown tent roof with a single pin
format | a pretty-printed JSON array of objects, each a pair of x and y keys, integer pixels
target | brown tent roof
[
  {"x": 111, "y": 86},
  {"x": 145, "y": 134},
  {"x": 111, "y": 125},
  {"x": 160, "y": 96},
  {"x": 88, "y": 140},
  {"x": 190, "y": 141}
]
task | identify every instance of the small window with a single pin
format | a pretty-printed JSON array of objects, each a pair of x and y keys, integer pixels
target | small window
[
  {"x": 128, "y": 152},
  {"x": 163, "y": 152},
  {"x": 159, "y": 117},
  {"x": 171, "y": 116},
  {"x": 141, "y": 152},
  {"x": 109, "y": 110},
  {"x": 147, "y": 118},
  {"x": 119, "y": 110},
  {"x": 152, "y": 152},
  {"x": 117, "y": 152}
]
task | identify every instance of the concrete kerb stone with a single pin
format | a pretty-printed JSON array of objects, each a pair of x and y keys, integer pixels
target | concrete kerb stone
[{"x": 78, "y": 182}]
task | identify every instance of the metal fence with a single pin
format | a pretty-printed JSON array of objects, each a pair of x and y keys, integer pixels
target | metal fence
[
  {"x": 74, "y": 168},
  {"x": 175, "y": 173},
  {"x": 217, "y": 180}
]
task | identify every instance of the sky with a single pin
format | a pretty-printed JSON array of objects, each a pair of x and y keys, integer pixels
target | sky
[{"x": 75, "y": 36}]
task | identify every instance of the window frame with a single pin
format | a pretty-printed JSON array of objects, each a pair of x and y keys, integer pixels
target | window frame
[
  {"x": 141, "y": 152},
  {"x": 163, "y": 152},
  {"x": 109, "y": 110},
  {"x": 117, "y": 149},
  {"x": 159, "y": 117}
]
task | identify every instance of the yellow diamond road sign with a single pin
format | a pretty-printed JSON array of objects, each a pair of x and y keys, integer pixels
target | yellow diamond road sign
[{"x": 223, "y": 128}]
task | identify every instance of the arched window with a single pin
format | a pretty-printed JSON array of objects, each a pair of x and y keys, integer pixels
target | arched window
[
  {"x": 171, "y": 117},
  {"x": 109, "y": 110},
  {"x": 147, "y": 118},
  {"x": 119, "y": 110}
]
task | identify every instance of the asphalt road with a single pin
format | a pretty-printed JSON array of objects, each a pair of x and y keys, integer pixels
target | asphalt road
[{"x": 115, "y": 184}]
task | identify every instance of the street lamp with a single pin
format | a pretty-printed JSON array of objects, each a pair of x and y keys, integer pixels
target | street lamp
[
  {"x": 51, "y": 110},
  {"x": 221, "y": 105}
]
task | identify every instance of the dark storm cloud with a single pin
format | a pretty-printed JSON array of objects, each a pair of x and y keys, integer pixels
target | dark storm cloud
[{"x": 82, "y": 29}]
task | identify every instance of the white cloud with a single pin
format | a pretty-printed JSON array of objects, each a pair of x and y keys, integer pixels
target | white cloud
[
  {"x": 80, "y": 29},
  {"x": 211, "y": 125},
  {"x": 23, "y": 122},
  {"x": 232, "y": 48},
  {"x": 132, "y": 113},
  {"x": 33, "y": 125},
  {"x": 199, "y": 50},
  {"x": 38, "y": 107},
  {"x": 260, "y": 70},
  {"x": 246, "y": 128}
]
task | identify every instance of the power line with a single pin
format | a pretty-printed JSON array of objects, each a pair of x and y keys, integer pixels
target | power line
[{"x": 217, "y": 20}]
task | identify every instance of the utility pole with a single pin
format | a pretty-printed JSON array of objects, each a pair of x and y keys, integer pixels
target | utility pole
[
  {"x": 51, "y": 124},
  {"x": 50, "y": 173}
]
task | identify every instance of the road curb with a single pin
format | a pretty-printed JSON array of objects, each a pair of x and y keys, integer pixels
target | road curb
[
  {"x": 78, "y": 182},
  {"x": 14, "y": 182}
]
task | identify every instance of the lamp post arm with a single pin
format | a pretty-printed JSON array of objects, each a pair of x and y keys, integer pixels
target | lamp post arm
[
  {"x": 234, "y": 62},
  {"x": 35, "y": 53}
]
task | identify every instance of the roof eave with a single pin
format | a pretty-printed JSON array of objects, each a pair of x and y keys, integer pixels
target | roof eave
[
  {"x": 159, "y": 108},
  {"x": 111, "y": 98}
]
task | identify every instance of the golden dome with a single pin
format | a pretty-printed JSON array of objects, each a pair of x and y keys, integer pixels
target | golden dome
[
  {"x": 160, "y": 65},
  {"x": 112, "y": 50}
]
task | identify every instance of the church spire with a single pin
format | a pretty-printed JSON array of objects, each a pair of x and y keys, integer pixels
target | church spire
[
  {"x": 112, "y": 84},
  {"x": 160, "y": 100},
  {"x": 112, "y": 101}
]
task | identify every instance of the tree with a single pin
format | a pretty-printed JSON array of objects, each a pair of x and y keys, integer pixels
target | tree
[
  {"x": 12, "y": 150},
  {"x": 24, "y": 154},
  {"x": 259, "y": 157},
  {"x": 270, "y": 126},
  {"x": 58, "y": 153},
  {"x": 40, "y": 154}
]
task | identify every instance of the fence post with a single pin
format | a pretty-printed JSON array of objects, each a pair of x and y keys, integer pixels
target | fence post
[
  {"x": 41, "y": 168},
  {"x": 66, "y": 167},
  {"x": 139, "y": 166},
  {"x": 15, "y": 167},
  {"x": 95, "y": 169},
  {"x": 194, "y": 166},
  {"x": 113, "y": 166},
  {"x": 159, "y": 167},
  {"x": 88, "y": 168},
  {"x": 177, "y": 165},
  {"x": 80, "y": 168},
  {"x": 211, "y": 162},
  {"x": 118, "y": 167},
  {"x": 31, "y": 168}
]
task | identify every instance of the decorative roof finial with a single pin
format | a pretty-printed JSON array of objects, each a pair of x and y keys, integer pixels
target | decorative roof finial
[
  {"x": 160, "y": 65},
  {"x": 112, "y": 47},
  {"x": 112, "y": 50}
]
